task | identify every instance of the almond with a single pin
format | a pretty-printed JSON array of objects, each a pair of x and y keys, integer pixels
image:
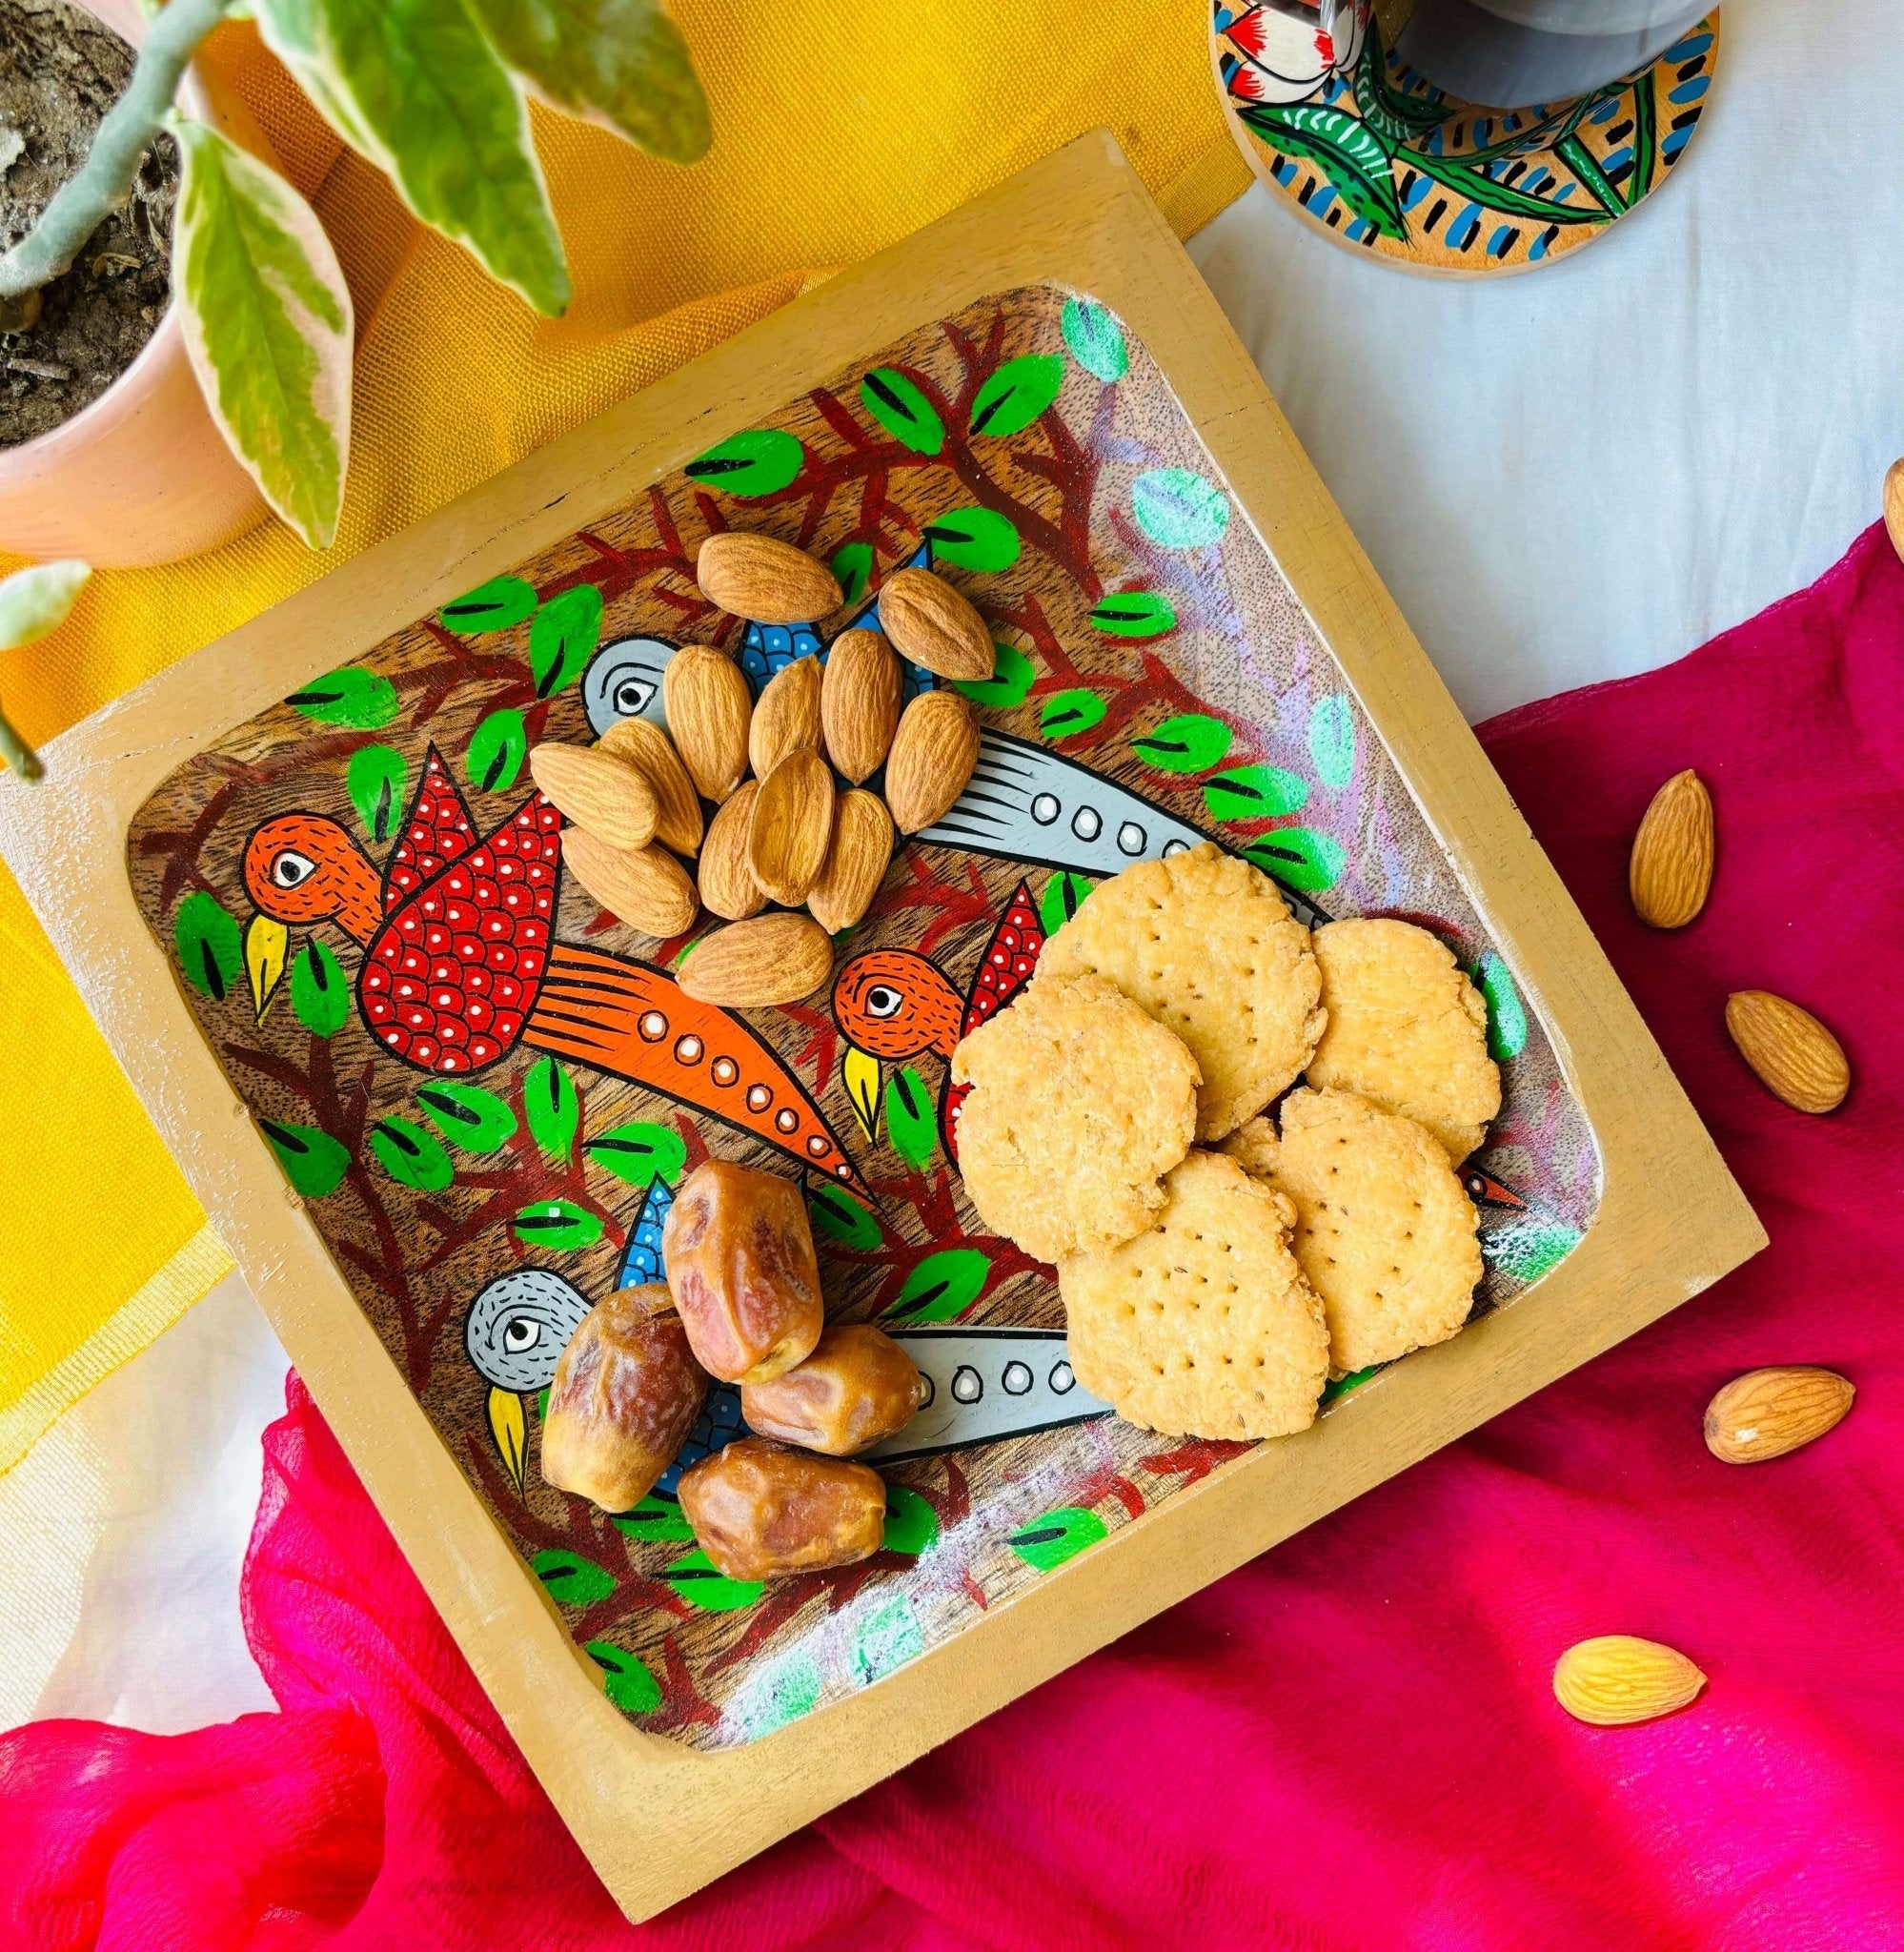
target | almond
[
  {"x": 855, "y": 863},
  {"x": 1795, "y": 1057},
  {"x": 930, "y": 765},
  {"x": 786, "y": 716},
  {"x": 935, "y": 625},
  {"x": 790, "y": 827},
  {"x": 728, "y": 885},
  {"x": 1767, "y": 1412},
  {"x": 1894, "y": 506},
  {"x": 601, "y": 794},
  {"x": 709, "y": 704},
  {"x": 773, "y": 958},
  {"x": 764, "y": 580},
  {"x": 1617, "y": 1678},
  {"x": 1671, "y": 871},
  {"x": 646, "y": 887},
  {"x": 641, "y": 743},
  {"x": 859, "y": 702}
]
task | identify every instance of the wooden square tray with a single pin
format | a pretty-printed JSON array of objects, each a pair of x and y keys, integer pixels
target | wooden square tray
[{"x": 1191, "y": 644}]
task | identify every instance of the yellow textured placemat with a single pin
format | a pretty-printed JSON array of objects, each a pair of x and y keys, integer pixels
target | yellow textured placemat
[{"x": 839, "y": 129}]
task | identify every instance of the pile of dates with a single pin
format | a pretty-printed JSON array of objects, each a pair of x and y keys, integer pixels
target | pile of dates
[{"x": 742, "y": 1302}]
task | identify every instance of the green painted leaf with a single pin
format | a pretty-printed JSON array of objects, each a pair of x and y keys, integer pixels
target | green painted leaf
[
  {"x": 1095, "y": 339},
  {"x": 639, "y": 1153},
  {"x": 1065, "y": 713},
  {"x": 775, "y": 1695},
  {"x": 1467, "y": 180},
  {"x": 630, "y": 1686},
  {"x": 417, "y": 89},
  {"x": 1133, "y": 612},
  {"x": 210, "y": 949},
  {"x": 761, "y": 461},
  {"x": 1063, "y": 897},
  {"x": 469, "y": 1117},
  {"x": 37, "y": 599},
  {"x": 553, "y": 1108},
  {"x": 572, "y": 1580},
  {"x": 374, "y": 780},
  {"x": 320, "y": 996},
  {"x": 1340, "y": 1386},
  {"x": 841, "y": 1217},
  {"x": 1058, "y": 1535},
  {"x": 1186, "y": 743},
  {"x": 621, "y": 63},
  {"x": 1507, "y": 1017},
  {"x": 347, "y": 697},
  {"x": 942, "y": 1286},
  {"x": 889, "y": 1637},
  {"x": 852, "y": 567},
  {"x": 1179, "y": 509},
  {"x": 657, "y": 1519},
  {"x": 267, "y": 318},
  {"x": 1526, "y": 1250},
  {"x": 695, "y": 1578},
  {"x": 1333, "y": 740},
  {"x": 1299, "y": 858},
  {"x": 1014, "y": 397},
  {"x": 897, "y": 403},
  {"x": 1254, "y": 793},
  {"x": 1343, "y": 148},
  {"x": 313, "y": 1162},
  {"x": 497, "y": 748},
  {"x": 564, "y": 636},
  {"x": 973, "y": 539},
  {"x": 912, "y": 1525},
  {"x": 912, "y": 1124},
  {"x": 557, "y": 1226},
  {"x": 1393, "y": 113},
  {"x": 498, "y": 605},
  {"x": 411, "y": 1155},
  {"x": 1010, "y": 680}
]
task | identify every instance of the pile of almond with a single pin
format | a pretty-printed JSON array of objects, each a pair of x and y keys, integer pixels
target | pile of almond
[{"x": 785, "y": 833}]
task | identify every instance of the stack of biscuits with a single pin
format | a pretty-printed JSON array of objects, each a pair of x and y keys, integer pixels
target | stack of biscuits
[{"x": 1216, "y": 1266}]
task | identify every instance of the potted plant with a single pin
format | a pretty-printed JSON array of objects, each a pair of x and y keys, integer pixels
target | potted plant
[{"x": 242, "y": 390}]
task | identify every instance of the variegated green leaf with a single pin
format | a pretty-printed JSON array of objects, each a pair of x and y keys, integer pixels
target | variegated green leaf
[{"x": 37, "y": 599}]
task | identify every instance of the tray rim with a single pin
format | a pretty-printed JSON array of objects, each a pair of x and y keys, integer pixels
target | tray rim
[{"x": 656, "y": 1818}]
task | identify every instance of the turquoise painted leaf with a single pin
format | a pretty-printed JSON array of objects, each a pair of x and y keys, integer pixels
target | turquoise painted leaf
[
  {"x": 351, "y": 697},
  {"x": 852, "y": 567},
  {"x": 475, "y": 1120},
  {"x": 1014, "y": 397},
  {"x": 553, "y": 1108},
  {"x": 657, "y": 1519},
  {"x": 1095, "y": 339},
  {"x": 1062, "y": 896},
  {"x": 557, "y": 1226},
  {"x": 776, "y": 1695},
  {"x": 211, "y": 950},
  {"x": 1007, "y": 685},
  {"x": 695, "y": 1578},
  {"x": 1254, "y": 793},
  {"x": 503, "y": 602},
  {"x": 912, "y": 1525},
  {"x": 1179, "y": 509},
  {"x": 320, "y": 996},
  {"x": 1526, "y": 1250},
  {"x": 1186, "y": 743},
  {"x": 761, "y": 461},
  {"x": 976, "y": 539},
  {"x": 897, "y": 403},
  {"x": 1299, "y": 858},
  {"x": 912, "y": 1124},
  {"x": 630, "y": 1686},
  {"x": 572, "y": 1580},
  {"x": 497, "y": 747},
  {"x": 887, "y": 1638},
  {"x": 564, "y": 636},
  {"x": 412, "y": 1157},
  {"x": 1065, "y": 713},
  {"x": 1507, "y": 1017},
  {"x": 1343, "y": 148},
  {"x": 942, "y": 1286},
  {"x": 374, "y": 780},
  {"x": 1333, "y": 740},
  {"x": 1056, "y": 1536},
  {"x": 1133, "y": 612},
  {"x": 313, "y": 1162},
  {"x": 639, "y": 1153},
  {"x": 841, "y": 1218}
]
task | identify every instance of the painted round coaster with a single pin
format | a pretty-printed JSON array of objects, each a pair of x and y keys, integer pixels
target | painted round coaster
[{"x": 1372, "y": 153}]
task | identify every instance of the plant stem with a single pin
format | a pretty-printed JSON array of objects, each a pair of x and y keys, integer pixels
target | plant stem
[
  {"x": 105, "y": 177},
  {"x": 17, "y": 753}
]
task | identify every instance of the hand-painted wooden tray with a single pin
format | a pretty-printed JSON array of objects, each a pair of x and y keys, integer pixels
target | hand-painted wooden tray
[{"x": 482, "y": 1091}]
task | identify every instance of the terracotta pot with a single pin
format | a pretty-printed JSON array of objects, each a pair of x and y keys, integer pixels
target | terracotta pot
[{"x": 142, "y": 474}]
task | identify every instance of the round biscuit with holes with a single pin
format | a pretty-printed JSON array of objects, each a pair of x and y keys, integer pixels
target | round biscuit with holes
[
  {"x": 1080, "y": 1104},
  {"x": 1206, "y": 944},
  {"x": 1385, "y": 1229},
  {"x": 1206, "y": 1324}
]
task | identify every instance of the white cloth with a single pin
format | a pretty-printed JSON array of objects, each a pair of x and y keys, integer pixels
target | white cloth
[{"x": 1574, "y": 474}]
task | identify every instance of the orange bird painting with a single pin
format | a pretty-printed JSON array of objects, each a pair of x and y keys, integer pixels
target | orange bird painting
[{"x": 460, "y": 964}]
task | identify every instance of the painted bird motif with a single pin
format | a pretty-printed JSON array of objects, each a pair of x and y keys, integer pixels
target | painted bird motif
[
  {"x": 460, "y": 966},
  {"x": 892, "y": 1005}
]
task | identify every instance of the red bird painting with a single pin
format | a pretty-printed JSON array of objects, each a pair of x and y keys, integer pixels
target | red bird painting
[
  {"x": 460, "y": 966},
  {"x": 892, "y": 1005}
]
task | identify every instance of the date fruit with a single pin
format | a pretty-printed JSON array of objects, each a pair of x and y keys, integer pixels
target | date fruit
[
  {"x": 741, "y": 1264},
  {"x": 760, "y": 1511},
  {"x": 626, "y": 1392},
  {"x": 857, "y": 1387}
]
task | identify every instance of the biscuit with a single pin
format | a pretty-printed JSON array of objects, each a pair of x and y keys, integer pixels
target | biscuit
[
  {"x": 1080, "y": 1104},
  {"x": 1206, "y": 1326},
  {"x": 1384, "y": 1229},
  {"x": 1207, "y": 946},
  {"x": 1406, "y": 1031}
]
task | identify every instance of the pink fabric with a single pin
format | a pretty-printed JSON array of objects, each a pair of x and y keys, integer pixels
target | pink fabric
[{"x": 1350, "y": 1743}]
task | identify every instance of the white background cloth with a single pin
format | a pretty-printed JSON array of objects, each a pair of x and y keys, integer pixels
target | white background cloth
[{"x": 1574, "y": 474}]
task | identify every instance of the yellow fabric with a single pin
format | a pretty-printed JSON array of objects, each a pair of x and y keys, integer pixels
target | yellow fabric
[{"x": 839, "y": 129}]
